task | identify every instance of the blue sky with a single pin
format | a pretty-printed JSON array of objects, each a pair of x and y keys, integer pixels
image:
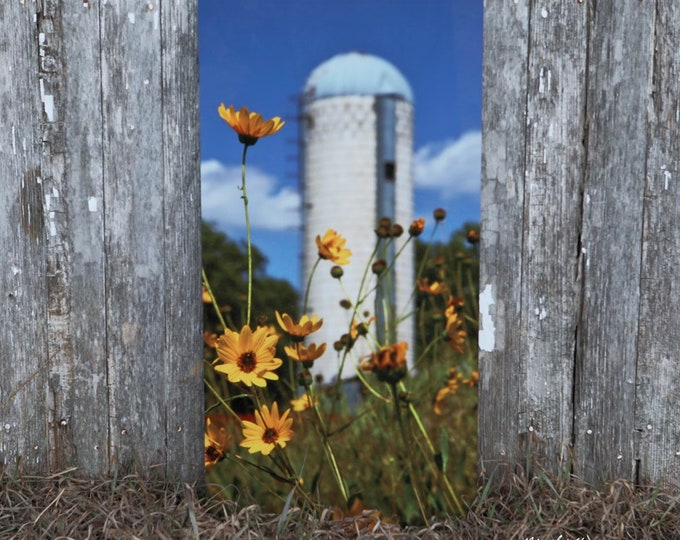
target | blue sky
[{"x": 259, "y": 53}]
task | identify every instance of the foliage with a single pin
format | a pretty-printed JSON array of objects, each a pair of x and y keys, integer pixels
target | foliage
[
  {"x": 397, "y": 438},
  {"x": 226, "y": 262},
  {"x": 374, "y": 473}
]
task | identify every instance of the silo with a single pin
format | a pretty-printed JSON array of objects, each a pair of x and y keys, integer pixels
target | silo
[{"x": 357, "y": 167}]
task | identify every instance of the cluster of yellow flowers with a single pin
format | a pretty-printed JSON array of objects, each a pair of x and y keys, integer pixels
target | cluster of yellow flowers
[
  {"x": 248, "y": 357},
  {"x": 453, "y": 382}
]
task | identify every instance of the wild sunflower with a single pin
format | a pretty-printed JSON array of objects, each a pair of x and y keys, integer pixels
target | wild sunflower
[
  {"x": 389, "y": 363},
  {"x": 300, "y": 330},
  {"x": 248, "y": 356},
  {"x": 304, "y": 402},
  {"x": 360, "y": 328},
  {"x": 332, "y": 247},
  {"x": 454, "y": 330},
  {"x": 250, "y": 126},
  {"x": 217, "y": 441},
  {"x": 300, "y": 353},
  {"x": 451, "y": 387},
  {"x": 431, "y": 287},
  {"x": 268, "y": 430}
]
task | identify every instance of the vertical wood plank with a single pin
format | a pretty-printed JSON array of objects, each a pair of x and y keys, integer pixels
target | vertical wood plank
[
  {"x": 618, "y": 83},
  {"x": 658, "y": 370},
  {"x": 182, "y": 198},
  {"x": 555, "y": 158},
  {"x": 134, "y": 245},
  {"x": 23, "y": 292},
  {"x": 72, "y": 168},
  {"x": 100, "y": 221},
  {"x": 506, "y": 32}
]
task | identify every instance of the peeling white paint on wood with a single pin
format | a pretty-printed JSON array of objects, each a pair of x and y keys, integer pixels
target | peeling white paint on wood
[
  {"x": 487, "y": 330},
  {"x": 48, "y": 102},
  {"x": 92, "y": 204}
]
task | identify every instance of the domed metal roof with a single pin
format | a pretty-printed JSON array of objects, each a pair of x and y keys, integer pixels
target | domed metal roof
[{"x": 356, "y": 73}]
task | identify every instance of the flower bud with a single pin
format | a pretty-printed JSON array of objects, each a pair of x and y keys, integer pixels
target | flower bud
[
  {"x": 396, "y": 231},
  {"x": 384, "y": 227},
  {"x": 473, "y": 236},
  {"x": 439, "y": 214},
  {"x": 379, "y": 266},
  {"x": 337, "y": 272},
  {"x": 417, "y": 226}
]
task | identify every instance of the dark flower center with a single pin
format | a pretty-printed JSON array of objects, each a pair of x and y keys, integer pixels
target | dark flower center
[
  {"x": 213, "y": 454},
  {"x": 248, "y": 140},
  {"x": 247, "y": 362},
  {"x": 270, "y": 435}
]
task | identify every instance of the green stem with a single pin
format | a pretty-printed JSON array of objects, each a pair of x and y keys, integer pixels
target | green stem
[
  {"x": 433, "y": 452},
  {"x": 409, "y": 463},
  {"x": 222, "y": 402},
  {"x": 206, "y": 284},
  {"x": 328, "y": 449},
  {"x": 248, "y": 241},
  {"x": 309, "y": 285}
]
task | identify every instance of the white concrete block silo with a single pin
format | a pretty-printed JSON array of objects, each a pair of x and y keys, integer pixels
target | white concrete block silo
[{"x": 357, "y": 167}]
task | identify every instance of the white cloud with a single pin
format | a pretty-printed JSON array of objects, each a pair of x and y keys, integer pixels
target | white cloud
[
  {"x": 269, "y": 208},
  {"x": 451, "y": 167}
]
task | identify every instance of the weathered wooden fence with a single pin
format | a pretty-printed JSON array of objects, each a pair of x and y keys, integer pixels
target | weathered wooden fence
[
  {"x": 580, "y": 297},
  {"x": 100, "y": 352}
]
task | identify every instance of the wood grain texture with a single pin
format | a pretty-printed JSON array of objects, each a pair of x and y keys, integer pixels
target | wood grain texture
[
  {"x": 580, "y": 370},
  {"x": 119, "y": 238},
  {"x": 506, "y": 35},
  {"x": 620, "y": 50},
  {"x": 24, "y": 358},
  {"x": 658, "y": 368},
  {"x": 554, "y": 157}
]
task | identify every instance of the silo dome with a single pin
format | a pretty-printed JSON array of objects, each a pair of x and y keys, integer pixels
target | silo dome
[{"x": 356, "y": 73}]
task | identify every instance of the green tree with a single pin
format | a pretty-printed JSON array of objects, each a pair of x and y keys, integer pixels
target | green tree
[{"x": 226, "y": 264}]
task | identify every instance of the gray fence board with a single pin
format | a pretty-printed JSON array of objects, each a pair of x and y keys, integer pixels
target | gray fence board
[
  {"x": 506, "y": 34},
  {"x": 658, "y": 369},
  {"x": 576, "y": 303},
  {"x": 117, "y": 263},
  {"x": 23, "y": 307}
]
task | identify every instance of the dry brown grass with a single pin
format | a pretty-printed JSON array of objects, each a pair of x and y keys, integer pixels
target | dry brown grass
[{"x": 64, "y": 506}]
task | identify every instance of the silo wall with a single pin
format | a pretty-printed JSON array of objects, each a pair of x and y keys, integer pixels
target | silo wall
[{"x": 339, "y": 185}]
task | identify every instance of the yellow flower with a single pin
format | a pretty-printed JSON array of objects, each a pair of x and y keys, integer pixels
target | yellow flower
[
  {"x": 249, "y": 125},
  {"x": 248, "y": 356},
  {"x": 472, "y": 380},
  {"x": 300, "y": 353},
  {"x": 451, "y": 387},
  {"x": 389, "y": 363},
  {"x": 455, "y": 331},
  {"x": 332, "y": 247},
  {"x": 268, "y": 430},
  {"x": 210, "y": 338},
  {"x": 216, "y": 441},
  {"x": 298, "y": 331},
  {"x": 434, "y": 288},
  {"x": 303, "y": 403}
]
